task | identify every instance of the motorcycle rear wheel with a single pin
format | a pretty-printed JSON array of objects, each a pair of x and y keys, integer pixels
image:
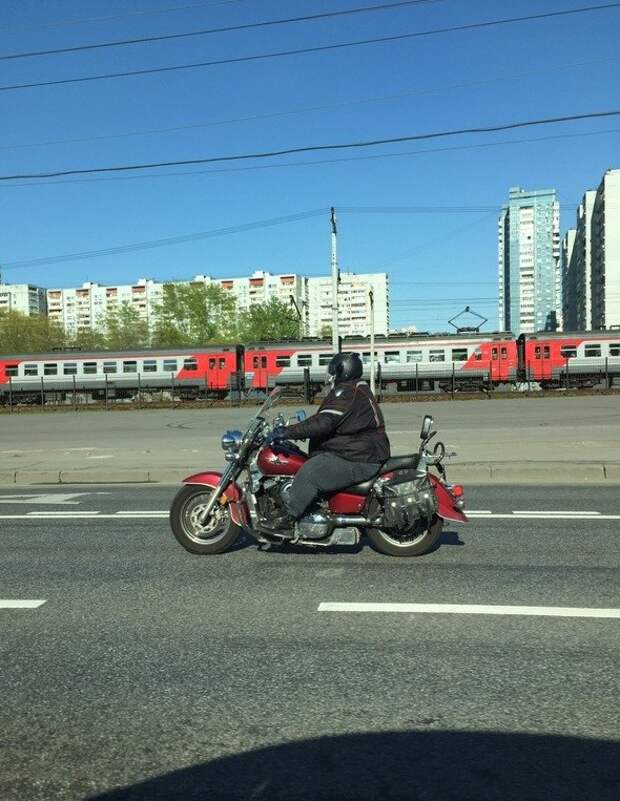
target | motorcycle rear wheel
[
  {"x": 216, "y": 536},
  {"x": 419, "y": 544}
]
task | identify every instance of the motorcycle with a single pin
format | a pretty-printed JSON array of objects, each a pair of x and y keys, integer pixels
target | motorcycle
[{"x": 401, "y": 510}]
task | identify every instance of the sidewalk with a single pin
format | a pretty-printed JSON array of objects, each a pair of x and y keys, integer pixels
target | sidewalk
[{"x": 555, "y": 440}]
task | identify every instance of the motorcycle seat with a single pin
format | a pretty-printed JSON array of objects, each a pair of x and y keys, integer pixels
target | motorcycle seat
[
  {"x": 408, "y": 462},
  {"x": 361, "y": 489}
]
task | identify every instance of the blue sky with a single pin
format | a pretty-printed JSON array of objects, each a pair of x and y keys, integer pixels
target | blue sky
[{"x": 438, "y": 262}]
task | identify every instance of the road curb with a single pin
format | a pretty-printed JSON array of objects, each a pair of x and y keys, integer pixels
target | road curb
[{"x": 550, "y": 473}]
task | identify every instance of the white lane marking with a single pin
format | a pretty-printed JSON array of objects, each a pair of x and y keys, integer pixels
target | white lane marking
[
  {"x": 550, "y": 516},
  {"x": 58, "y": 499},
  {"x": 55, "y": 513},
  {"x": 9, "y": 604},
  {"x": 470, "y": 609},
  {"x": 102, "y": 456},
  {"x": 552, "y": 512},
  {"x": 46, "y": 516},
  {"x": 479, "y": 512}
]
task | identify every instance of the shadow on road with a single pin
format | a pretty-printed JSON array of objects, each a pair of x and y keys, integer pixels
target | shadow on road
[{"x": 399, "y": 766}]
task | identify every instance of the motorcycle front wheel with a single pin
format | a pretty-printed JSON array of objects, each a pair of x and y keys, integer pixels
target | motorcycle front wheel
[
  {"x": 416, "y": 543},
  {"x": 215, "y": 535}
]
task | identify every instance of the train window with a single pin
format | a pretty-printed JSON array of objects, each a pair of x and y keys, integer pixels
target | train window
[
  {"x": 614, "y": 350},
  {"x": 190, "y": 364},
  {"x": 537, "y": 352},
  {"x": 592, "y": 350},
  {"x": 546, "y": 352},
  {"x": 568, "y": 351},
  {"x": 478, "y": 355},
  {"x": 366, "y": 357},
  {"x": 50, "y": 369},
  {"x": 130, "y": 367},
  {"x": 31, "y": 369},
  {"x": 304, "y": 360},
  {"x": 414, "y": 356},
  {"x": 283, "y": 361},
  {"x": 504, "y": 352},
  {"x": 259, "y": 362},
  {"x": 109, "y": 367},
  {"x": 459, "y": 354},
  {"x": 170, "y": 365},
  {"x": 222, "y": 363},
  {"x": 11, "y": 370},
  {"x": 391, "y": 357},
  {"x": 69, "y": 368},
  {"x": 90, "y": 368},
  {"x": 149, "y": 366},
  {"x": 212, "y": 363},
  {"x": 437, "y": 356},
  {"x": 494, "y": 353},
  {"x": 325, "y": 358}
]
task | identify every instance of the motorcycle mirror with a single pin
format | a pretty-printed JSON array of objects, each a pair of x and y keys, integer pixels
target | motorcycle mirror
[
  {"x": 300, "y": 415},
  {"x": 427, "y": 424}
]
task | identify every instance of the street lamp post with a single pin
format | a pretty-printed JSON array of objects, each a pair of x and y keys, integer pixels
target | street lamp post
[{"x": 371, "y": 298}]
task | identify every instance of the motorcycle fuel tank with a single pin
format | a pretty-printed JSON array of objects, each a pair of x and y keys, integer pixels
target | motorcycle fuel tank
[{"x": 280, "y": 462}]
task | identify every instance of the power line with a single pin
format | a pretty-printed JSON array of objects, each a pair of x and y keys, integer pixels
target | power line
[
  {"x": 226, "y": 29},
  {"x": 309, "y": 109},
  {"x": 157, "y": 243},
  {"x": 315, "y": 162},
  {"x": 318, "y": 148},
  {"x": 305, "y": 50},
  {"x": 148, "y": 13}
]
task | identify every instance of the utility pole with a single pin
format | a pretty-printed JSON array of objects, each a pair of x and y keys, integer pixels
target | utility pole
[
  {"x": 335, "y": 282},
  {"x": 371, "y": 298},
  {"x": 299, "y": 314}
]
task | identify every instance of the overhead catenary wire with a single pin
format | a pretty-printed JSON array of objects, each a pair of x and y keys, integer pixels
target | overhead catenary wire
[
  {"x": 311, "y": 109},
  {"x": 223, "y": 29},
  {"x": 319, "y": 148},
  {"x": 308, "y": 50},
  {"x": 314, "y": 162}
]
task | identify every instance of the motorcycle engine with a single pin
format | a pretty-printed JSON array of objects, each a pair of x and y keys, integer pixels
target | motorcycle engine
[
  {"x": 314, "y": 526},
  {"x": 271, "y": 503}
]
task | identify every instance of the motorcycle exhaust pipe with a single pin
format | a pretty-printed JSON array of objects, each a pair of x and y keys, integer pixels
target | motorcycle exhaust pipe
[{"x": 351, "y": 520}]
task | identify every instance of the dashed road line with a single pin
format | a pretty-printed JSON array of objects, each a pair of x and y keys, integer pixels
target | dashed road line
[
  {"x": 13, "y": 604},
  {"x": 470, "y": 609}
]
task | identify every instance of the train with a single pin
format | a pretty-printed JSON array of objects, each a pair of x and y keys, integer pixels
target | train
[{"x": 459, "y": 362}]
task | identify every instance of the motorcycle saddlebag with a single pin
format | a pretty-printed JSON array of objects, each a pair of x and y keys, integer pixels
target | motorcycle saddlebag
[{"x": 407, "y": 499}]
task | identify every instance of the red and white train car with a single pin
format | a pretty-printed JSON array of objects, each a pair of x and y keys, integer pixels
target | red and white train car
[{"x": 558, "y": 359}]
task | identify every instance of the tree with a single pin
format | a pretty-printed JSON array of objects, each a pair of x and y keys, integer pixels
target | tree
[
  {"x": 21, "y": 333},
  {"x": 194, "y": 314},
  {"x": 125, "y": 329},
  {"x": 325, "y": 332},
  {"x": 271, "y": 321}
]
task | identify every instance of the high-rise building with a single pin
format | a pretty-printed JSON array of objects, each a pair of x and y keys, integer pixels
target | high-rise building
[
  {"x": 529, "y": 261},
  {"x": 569, "y": 280},
  {"x": 353, "y": 304},
  {"x": 24, "y": 298},
  {"x": 605, "y": 253}
]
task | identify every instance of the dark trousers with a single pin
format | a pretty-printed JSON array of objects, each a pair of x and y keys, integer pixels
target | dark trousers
[{"x": 323, "y": 474}]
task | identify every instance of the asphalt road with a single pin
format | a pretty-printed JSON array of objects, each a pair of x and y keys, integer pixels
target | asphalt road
[{"x": 172, "y": 676}]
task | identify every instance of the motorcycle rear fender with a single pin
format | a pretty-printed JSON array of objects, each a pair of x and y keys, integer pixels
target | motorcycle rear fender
[
  {"x": 446, "y": 502},
  {"x": 239, "y": 512}
]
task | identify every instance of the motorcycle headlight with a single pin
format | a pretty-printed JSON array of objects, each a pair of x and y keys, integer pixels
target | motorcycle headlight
[{"x": 231, "y": 442}]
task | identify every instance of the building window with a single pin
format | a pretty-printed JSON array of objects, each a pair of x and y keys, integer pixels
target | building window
[
  {"x": 191, "y": 365},
  {"x": 130, "y": 367},
  {"x": 50, "y": 369},
  {"x": 437, "y": 356},
  {"x": 109, "y": 367},
  {"x": 325, "y": 359},
  {"x": 149, "y": 366},
  {"x": 90, "y": 368},
  {"x": 304, "y": 360},
  {"x": 170, "y": 365},
  {"x": 31, "y": 369},
  {"x": 459, "y": 354},
  {"x": 11, "y": 370},
  {"x": 283, "y": 361},
  {"x": 70, "y": 368},
  {"x": 592, "y": 351}
]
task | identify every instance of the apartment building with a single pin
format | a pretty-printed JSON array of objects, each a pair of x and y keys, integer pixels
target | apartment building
[
  {"x": 353, "y": 304},
  {"x": 24, "y": 298}
]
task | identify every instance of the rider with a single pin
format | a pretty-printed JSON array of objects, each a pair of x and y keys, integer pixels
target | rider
[{"x": 348, "y": 443}]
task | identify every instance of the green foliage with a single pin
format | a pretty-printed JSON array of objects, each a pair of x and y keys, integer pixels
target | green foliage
[
  {"x": 194, "y": 314},
  {"x": 325, "y": 332},
  {"x": 269, "y": 321},
  {"x": 20, "y": 333},
  {"x": 124, "y": 329}
]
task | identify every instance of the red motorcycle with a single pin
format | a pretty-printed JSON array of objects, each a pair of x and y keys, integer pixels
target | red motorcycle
[{"x": 401, "y": 510}]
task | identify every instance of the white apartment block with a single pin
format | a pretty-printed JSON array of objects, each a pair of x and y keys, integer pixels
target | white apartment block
[
  {"x": 24, "y": 298},
  {"x": 86, "y": 307},
  {"x": 353, "y": 304},
  {"x": 569, "y": 281}
]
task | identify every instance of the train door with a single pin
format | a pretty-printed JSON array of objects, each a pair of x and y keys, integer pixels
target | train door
[
  {"x": 260, "y": 371},
  {"x": 494, "y": 364},
  {"x": 542, "y": 368}
]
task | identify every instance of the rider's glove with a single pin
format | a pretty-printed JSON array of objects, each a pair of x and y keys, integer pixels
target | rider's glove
[{"x": 277, "y": 435}]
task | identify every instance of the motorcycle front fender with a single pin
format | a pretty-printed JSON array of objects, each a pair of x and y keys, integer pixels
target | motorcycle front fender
[
  {"x": 446, "y": 502},
  {"x": 239, "y": 512}
]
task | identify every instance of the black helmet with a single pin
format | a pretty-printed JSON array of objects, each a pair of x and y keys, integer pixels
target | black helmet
[{"x": 345, "y": 367}]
